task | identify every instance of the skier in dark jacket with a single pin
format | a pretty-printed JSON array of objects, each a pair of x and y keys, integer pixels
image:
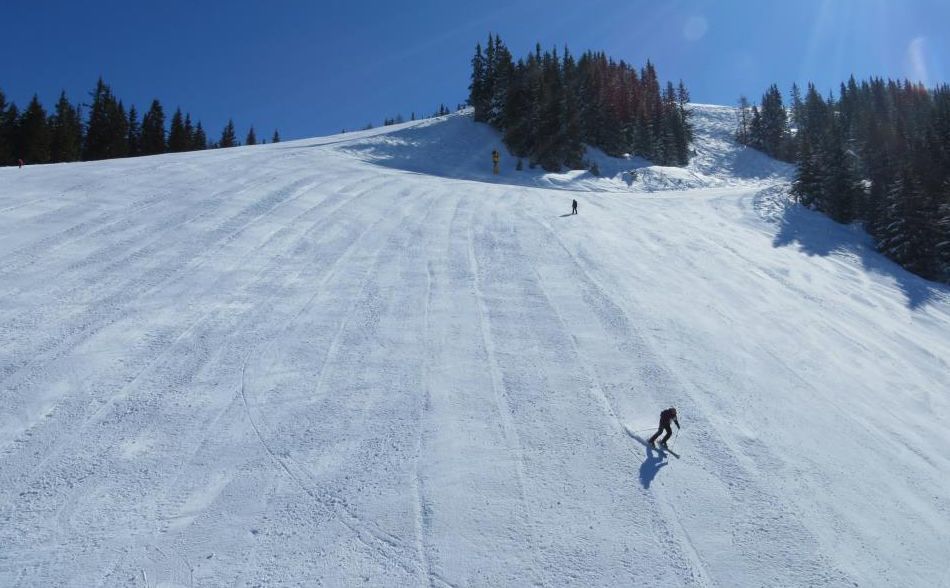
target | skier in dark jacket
[
  {"x": 666, "y": 417},
  {"x": 574, "y": 207}
]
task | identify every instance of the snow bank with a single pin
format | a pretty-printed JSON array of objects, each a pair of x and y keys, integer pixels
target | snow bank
[{"x": 456, "y": 147}]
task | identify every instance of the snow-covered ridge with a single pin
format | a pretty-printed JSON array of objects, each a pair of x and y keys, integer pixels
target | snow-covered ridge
[
  {"x": 456, "y": 147},
  {"x": 365, "y": 360}
]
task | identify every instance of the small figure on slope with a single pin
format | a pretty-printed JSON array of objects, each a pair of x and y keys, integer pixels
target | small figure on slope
[
  {"x": 666, "y": 417},
  {"x": 495, "y": 158},
  {"x": 574, "y": 207}
]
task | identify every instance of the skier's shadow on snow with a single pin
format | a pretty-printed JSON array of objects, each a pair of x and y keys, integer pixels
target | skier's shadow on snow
[
  {"x": 655, "y": 459},
  {"x": 651, "y": 466},
  {"x": 568, "y": 214}
]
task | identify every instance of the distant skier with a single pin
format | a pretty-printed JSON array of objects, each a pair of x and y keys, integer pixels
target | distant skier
[
  {"x": 20, "y": 161},
  {"x": 495, "y": 158},
  {"x": 666, "y": 417},
  {"x": 574, "y": 207}
]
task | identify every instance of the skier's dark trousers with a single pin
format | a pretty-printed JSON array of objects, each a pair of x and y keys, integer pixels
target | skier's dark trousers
[{"x": 666, "y": 417}]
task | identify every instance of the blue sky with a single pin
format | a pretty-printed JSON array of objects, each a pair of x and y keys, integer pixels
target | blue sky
[{"x": 316, "y": 67}]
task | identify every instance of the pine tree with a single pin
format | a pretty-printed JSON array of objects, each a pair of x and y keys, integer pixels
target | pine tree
[
  {"x": 684, "y": 127},
  {"x": 650, "y": 127},
  {"x": 743, "y": 120},
  {"x": 11, "y": 122},
  {"x": 6, "y": 134},
  {"x": 893, "y": 239},
  {"x": 502, "y": 70},
  {"x": 276, "y": 136},
  {"x": 572, "y": 154},
  {"x": 755, "y": 128},
  {"x": 251, "y": 137},
  {"x": 134, "y": 137},
  {"x": 118, "y": 130},
  {"x": 96, "y": 127},
  {"x": 34, "y": 133},
  {"x": 153, "y": 130},
  {"x": 513, "y": 111},
  {"x": 479, "y": 96},
  {"x": 189, "y": 133},
  {"x": 228, "y": 138},
  {"x": 66, "y": 132},
  {"x": 178, "y": 137},
  {"x": 551, "y": 114},
  {"x": 107, "y": 127},
  {"x": 773, "y": 135},
  {"x": 905, "y": 237},
  {"x": 808, "y": 184},
  {"x": 199, "y": 140},
  {"x": 942, "y": 225},
  {"x": 840, "y": 187},
  {"x": 488, "y": 87}
]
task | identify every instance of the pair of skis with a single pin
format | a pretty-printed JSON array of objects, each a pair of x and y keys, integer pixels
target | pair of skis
[{"x": 661, "y": 449}]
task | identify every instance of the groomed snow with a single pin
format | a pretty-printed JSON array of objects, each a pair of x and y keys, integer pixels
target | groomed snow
[{"x": 364, "y": 360}]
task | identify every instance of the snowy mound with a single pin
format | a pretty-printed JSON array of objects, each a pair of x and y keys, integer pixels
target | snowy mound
[
  {"x": 456, "y": 147},
  {"x": 365, "y": 360}
]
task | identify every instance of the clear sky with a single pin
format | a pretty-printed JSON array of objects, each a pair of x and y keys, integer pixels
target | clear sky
[{"x": 316, "y": 67}]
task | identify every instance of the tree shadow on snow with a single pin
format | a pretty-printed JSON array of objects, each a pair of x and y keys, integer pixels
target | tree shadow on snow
[
  {"x": 816, "y": 234},
  {"x": 456, "y": 147},
  {"x": 450, "y": 147}
]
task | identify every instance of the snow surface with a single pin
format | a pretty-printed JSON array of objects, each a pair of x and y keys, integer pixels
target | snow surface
[{"x": 364, "y": 360}]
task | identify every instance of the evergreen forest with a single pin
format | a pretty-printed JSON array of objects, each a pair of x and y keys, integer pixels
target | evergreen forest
[
  {"x": 878, "y": 153},
  {"x": 102, "y": 129},
  {"x": 549, "y": 105}
]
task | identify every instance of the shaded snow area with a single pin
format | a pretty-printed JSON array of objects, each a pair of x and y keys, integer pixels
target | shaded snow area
[
  {"x": 365, "y": 360},
  {"x": 453, "y": 147}
]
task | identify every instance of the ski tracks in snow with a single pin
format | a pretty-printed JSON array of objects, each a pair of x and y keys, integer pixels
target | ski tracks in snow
[
  {"x": 136, "y": 381},
  {"x": 504, "y": 411},
  {"x": 282, "y": 365},
  {"x": 364, "y": 304},
  {"x": 761, "y": 525}
]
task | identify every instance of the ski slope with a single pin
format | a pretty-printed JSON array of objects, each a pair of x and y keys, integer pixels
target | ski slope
[{"x": 364, "y": 360}]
